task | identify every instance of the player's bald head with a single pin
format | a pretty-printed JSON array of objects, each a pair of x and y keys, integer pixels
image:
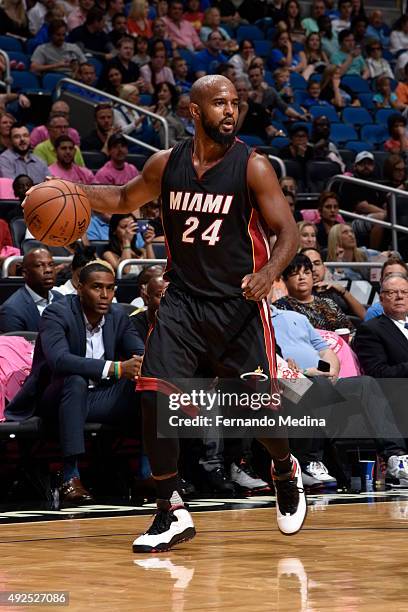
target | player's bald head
[{"x": 208, "y": 86}]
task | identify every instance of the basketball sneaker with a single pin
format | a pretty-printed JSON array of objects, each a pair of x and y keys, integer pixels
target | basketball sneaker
[
  {"x": 291, "y": 505},
  {"x": 318, "y": 471},
  {"x": 170, "y": 526},
  {"x": 397, "y": 467},
  {"x": 244, "y": 476}
]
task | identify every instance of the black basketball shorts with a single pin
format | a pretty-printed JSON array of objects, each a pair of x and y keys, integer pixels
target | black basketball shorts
[{"x": 226, "y": 338}]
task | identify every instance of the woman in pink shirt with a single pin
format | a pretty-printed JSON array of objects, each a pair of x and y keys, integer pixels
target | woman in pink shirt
[{"x": 156, "y": 71}]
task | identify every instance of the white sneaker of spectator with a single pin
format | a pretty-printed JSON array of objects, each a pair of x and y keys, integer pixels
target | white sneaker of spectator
[
  {"x": 245, "y": 477},
  {"x": 318, "y": 471},
  {"x": 397, "y": 467}
]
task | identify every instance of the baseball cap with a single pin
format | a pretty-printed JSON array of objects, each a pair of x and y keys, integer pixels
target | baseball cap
[{"x": 363, "y": 155}]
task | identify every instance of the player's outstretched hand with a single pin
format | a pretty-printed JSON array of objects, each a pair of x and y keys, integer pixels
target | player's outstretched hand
[
  {"x": 131, "y": 367},
  {"x": 256, "y": 286}
]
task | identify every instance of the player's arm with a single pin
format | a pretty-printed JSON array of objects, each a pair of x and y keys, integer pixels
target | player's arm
[
  {"x": 127, "y": 198},
  {"x": 263, "y": 183}
]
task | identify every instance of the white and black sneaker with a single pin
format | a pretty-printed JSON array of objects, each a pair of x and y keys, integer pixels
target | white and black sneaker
[
  {"x": 318, "y": 471},
  {"x": 397, "y": 468},
  {"x": 245, "y": 477},
  {"x": 170, "y": 527},
  {"x": 291, "y": 505}
]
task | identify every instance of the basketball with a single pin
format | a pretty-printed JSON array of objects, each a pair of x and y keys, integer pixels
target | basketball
[{"x": 57, "y": 212}]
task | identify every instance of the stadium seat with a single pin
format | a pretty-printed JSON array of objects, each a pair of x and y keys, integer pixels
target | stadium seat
[
  {"x": 358, "y": 145},
  {"x": 17, "y": 230},
  {"x": 347, "y": 156},
  {"x": 356, "y": 116},
  {"x": 19, "y": 57},
  {"x": 366, "y": 100},
  {"x": 138, "y": 159},
  {"x": 146, "y": 99},
  {"x": 300, "y": 95},
  {"x": 269, "y": 78},
  {"x": 341, "y": 133},
  {"x": 250, "y": 32},
  {"x": 319, "y": 172},
  {"x": 9, "y": 43},
  {"x": 356, "y": 83},
  {"x": 361, "y": 290},
  {"x": 97, "y": 64},
  {"x": 374, "y": 134},
  {"x": 279, "y": 142},
  {"x": 251, "y": 140},
  {"x": 100, "y": 246},
  {"x": 294, "y": 169},
  {"x": 326, "y": 111},
  {"x": 93, "y": 159},
  {"x": 382, "y": 114},
  {"x": 297, "y": 81},
  {"x": 51, "y": 80},
  {"x": 188, "y": 56},
  {"x": 31, "y": 45},
  {"x": 262, "y": 47},
  {"x": 380, "y": 157},
  {"x": 24, "y": 80}
]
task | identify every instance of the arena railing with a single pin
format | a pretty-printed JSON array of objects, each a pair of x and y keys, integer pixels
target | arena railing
[
  {"x": 18, "y": 259},
  {"x": 280, "y": 163},
  {"x": 140, "y": 262},
  {"x": 8, "y": 78},
  {"x": 393, "y": 225},
  {"x": 111, "y": 97}
]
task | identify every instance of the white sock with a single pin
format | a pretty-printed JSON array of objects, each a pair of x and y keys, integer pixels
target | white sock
[{"x": 175, "y": 499}]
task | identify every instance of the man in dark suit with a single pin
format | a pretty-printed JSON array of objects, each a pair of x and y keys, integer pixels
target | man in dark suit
[
  {"x": 22, "y": 311},
  {"x": 382, "y": 343},
  {"x": 382, "y": 348},
  {"x": 84, "y": 369}
]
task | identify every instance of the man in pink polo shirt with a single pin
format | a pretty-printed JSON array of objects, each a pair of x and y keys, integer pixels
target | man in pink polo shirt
[
  {"x": 180, "y": 31},
  {"x": 116, "y": 171},
  {"x": 65, "y": 167}
]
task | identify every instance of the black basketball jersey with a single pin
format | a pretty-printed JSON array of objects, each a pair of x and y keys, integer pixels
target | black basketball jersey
[{"x": 214, "y": 233}]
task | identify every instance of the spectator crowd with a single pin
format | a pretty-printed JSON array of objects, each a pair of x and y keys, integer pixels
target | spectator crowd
[{"x": 323, "y": 95}]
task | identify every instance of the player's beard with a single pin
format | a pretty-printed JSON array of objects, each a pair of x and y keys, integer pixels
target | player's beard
[{"x": 213, "y": 132}]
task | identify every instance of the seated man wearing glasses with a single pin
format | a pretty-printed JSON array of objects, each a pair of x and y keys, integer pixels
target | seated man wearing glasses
[{"x": 382, "y": 343}]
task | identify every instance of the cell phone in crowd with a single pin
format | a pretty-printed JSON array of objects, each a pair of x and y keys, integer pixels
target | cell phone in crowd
[
  {"x": 142, "y": 226},
  {"x": 323, "y": 366}
]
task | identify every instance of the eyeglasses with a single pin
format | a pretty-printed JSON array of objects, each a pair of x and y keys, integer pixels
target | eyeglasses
[{"x": 392, "y": 293}]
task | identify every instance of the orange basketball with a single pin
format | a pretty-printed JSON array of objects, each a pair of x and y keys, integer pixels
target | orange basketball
[{"x": 57, "y": 212}]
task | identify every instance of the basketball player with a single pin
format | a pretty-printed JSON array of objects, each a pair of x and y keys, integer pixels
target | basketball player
[{"x": 219, "y": 202}]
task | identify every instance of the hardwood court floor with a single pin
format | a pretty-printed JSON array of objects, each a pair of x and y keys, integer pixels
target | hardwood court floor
[{"x": 348, "y": 558}]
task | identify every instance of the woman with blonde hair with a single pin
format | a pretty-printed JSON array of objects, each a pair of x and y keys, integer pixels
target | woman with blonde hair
[
  {"x": 307, "y": 235},
  {"x": 13, "y": 18},
  {"x": 137, "y": 22},
  {"x": 342, "y": 246}
]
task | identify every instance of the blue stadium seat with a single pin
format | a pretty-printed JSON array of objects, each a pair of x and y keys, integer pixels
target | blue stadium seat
[
  {"x": 22, "y": 79},
  {"x": 366, "y": 100},
  {"x": 341, "y": 133},
  {"x": 278, "y": 125},
  {"x": 358, "y": 145},
  {"x": 51, "y": 79},
  {"x": 297, "y": 46},
  {"x": 374, "y": 134},
  {"x": 356, "y": 83},
  {"x": 382, "y": 114},
  {"x": 327, "y": 111},
  {"x": 146, "y": 99},
  {"x": 269, "y": 78},
  {"x": 250, "y": 140},
  {"x": 97, "y": 64},
  {"x": 187, "y": 55},
  {"x": 9, "y": 43},
  {"x": 250, "y": 32},
  {"x": 300, "y": 95},
  {"x": 297, "y": 81},
  {"x": 262, "y": 47},
  {"x": 279, "y": 142},
  {"x": 31, "y": 45},
  {"x": 356, "y": 116},
  {"x": 20, "y": 57}
]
